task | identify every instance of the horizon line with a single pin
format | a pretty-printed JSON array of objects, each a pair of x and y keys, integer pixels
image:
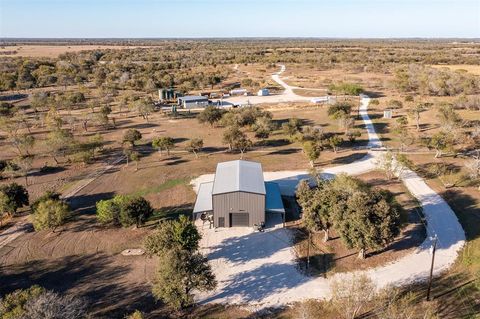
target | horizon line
[{"x": 242, "y": 37}]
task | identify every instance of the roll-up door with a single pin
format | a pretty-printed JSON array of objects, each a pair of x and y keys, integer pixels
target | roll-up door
[{"x": 239, "y": 220}]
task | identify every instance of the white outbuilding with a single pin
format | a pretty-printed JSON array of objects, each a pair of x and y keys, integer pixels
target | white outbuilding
[
  {"x": 263, "y": 92},
  {"x": 193, "y": 101},
  {"x": 238, "y": 92}
]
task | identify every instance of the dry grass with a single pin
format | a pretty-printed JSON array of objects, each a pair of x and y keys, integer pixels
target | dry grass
[
  {"x": 155, "y": 171},
  {"x": 473, "y": 69},
  {"x": 310, "y": 92},
  {"x": 305, "y": 76}
]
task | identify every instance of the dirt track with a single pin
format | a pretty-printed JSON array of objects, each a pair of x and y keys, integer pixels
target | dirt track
[{"x": 81, "y": 252}]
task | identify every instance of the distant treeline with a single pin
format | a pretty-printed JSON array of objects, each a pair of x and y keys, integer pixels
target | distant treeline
[{"x": 196, "y": 64}]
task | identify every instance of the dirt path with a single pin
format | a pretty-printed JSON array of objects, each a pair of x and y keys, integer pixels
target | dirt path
[
  {"x": 24, "y": 226},
  {"x": 81, "y": 257},
  {"x": 254, "y": 270}
]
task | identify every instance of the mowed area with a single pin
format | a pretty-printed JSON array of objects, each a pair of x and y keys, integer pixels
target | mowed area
[{"x": 53, "y": 51}]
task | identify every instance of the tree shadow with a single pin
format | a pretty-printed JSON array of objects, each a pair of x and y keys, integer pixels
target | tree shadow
[
  {"x": 467, "y": 210},
  {"x": 47, "y": 170},
  {"x": 83, "y": 204},
  {"x": 13, "y": 97},
  {"x": 97, "y": 277},
  {"x": 212, "y": 149},
  {"x": 348, "y": 159},
  {"x": 176, "y": 162},
  {"x": 381, "y": 128},
  {"x": 276, "y": 142},
  {"x": 179, "y": 139},
  {"x": 260, "y": 283},
  {"x": 245, "y": 248},
  {"x": 142, "y": 125},
  {"x": 374, "y": 94},
  {"x": 286, "y": 151},
  {"x": 168, "y": 213}
]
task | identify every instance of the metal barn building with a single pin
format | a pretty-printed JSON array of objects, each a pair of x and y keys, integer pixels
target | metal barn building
[
  {"x": 193, "y": 101},
  {"x": 238, "y": 196}
]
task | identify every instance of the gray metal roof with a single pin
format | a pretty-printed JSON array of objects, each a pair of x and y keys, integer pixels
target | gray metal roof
[
  {"x": 273, "y": 200},
  {"x": 193, "y": 98},
  {"x": 204, "y": 198},
  {"x": 235, "y": 176}
]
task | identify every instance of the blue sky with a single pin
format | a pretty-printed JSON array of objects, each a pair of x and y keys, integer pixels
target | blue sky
[{"x": 240, "y": 18}]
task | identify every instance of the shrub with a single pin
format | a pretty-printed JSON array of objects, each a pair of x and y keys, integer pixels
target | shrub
[
  {"x": 55, "y": 306},
  {"x": 173, "y": 234},
  {"x": 210, "y": 115},
  {"x": 131, "y": 136},
  {"x": 135, "y": 211},
  {"x": 50, "y": 214},
  {"x": 136, "y": 315},
  {"x": 124, "y": 210},
  {"x": 13, "y": 304},
  {"x": 36, "y": 302},
  {"x": 12, "y": 197},
  {"x": 48, "y": 195},
  {"x": 107, "y": 211}
]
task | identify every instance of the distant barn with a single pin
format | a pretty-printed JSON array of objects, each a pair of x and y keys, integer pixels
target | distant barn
[{"x": 193, "y": 101}]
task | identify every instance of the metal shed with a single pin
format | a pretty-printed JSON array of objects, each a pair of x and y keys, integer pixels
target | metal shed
[{"x": 238, "y": 194}]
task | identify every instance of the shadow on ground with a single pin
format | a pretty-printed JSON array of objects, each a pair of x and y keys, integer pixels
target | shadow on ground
[{"x": 98, "y": 277}]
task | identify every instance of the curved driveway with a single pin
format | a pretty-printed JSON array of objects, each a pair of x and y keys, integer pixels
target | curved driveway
[
  {"x": 259, "y": 269},
  {"x": 286, "y": 96}
]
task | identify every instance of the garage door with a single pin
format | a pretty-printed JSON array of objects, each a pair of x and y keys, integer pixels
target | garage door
[{"x": 238, "y": 219}]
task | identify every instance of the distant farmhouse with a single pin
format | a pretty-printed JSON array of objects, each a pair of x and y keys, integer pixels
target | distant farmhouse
[
  {"x": 193, "y": 101},
  {"x": 238, "y": 196}
]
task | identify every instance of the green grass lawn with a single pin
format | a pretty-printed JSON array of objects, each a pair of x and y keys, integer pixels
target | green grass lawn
[{"x": 162, "y": 187}]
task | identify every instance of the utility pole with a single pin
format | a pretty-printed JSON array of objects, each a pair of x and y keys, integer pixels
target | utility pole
[
  {"x": 433, "y": 249},
  {"x": 308, "y": 249}
]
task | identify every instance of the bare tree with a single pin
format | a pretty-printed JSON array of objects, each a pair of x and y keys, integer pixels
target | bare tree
[
  {"x": 392, "y": 303},
  {"x": 51, "y": 305},
  {"x": 473, "y": 167},
  {"x": 350, "y": 296}
]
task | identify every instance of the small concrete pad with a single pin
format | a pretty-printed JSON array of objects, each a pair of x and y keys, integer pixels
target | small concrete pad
[{"x": 133, "y": 252}]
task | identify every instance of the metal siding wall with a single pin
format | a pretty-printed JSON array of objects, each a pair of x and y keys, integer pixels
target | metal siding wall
[{"x": 254, "y": 204}]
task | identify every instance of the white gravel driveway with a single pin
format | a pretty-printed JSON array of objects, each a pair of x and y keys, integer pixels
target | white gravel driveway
[
  {"x": 259, "y": 269},
  {"x": 286, "y": 96}
]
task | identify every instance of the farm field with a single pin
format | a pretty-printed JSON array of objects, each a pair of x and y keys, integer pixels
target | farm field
[{"x": 53, "y": 51}]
